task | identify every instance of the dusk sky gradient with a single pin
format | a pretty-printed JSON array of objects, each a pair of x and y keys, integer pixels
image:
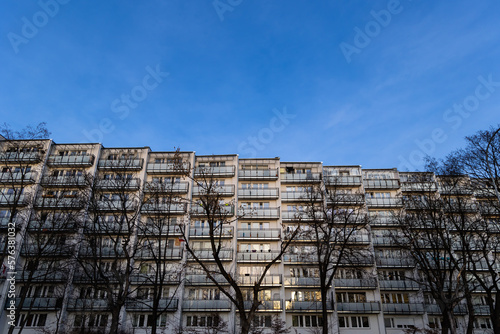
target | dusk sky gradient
[{"x": 233, "y": 64}]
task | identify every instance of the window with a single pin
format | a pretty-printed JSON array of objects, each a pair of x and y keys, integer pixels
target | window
[
  {"x": 354, "y": 322},
  {"x": 146, "y": 320},
  {"x": 92, "y": 320},
  {"x": 203, "y": 294},
  {"x": 399, "y": 323},
  {"x": 307, "y": 321},
  {"x": 398, "y": 298},
  {"x": 351, "y": 297},
  {"x": 32, "y": 320},
  {"x": 481, "y": 322},
  {"x": 262, "y": 321},
  {"x": 202, "y": 321}
]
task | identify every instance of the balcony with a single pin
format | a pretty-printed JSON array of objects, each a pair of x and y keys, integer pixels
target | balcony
[
  {"x": 168, "y": 168},
  {"x": 223, "y": 190},
  {"x": 57, "y": 226},
  {"x": 121, "y": 164},
  {"x": 302, "y": 282},
  {"x": 81, "y": 277},
  {"x": 302, "y": 216},
  {"x": 395, "y": 262},
  {"x": 381, "y": 183},
  {"x": 259, "y": 213},
  {"x": 166, "y": 188},
  {"x": 18, "y": 177},
  {"x": 225, "y": 210},
  {"x": 301, "y": 178},
  {"x": 299, "y": 196},
  {"x": 481, "y": 310},
  {"x": 403, "y": 308},
  {"x": 489, "y": 210},
  {"x": 418, "y": 186},
  {"x": 225, "y": 254},
  {"x": 266, "y": 305},
  {"x": 357, "y": 239},
  {"x": 106, "y": 227},
  {"x": 403, "y": 285},
  {"x": 151, "y": 279},
  {"x": 14, "y": 199},
  {"x": 160, "y": 229},
  {"x": 257, "y": 257},
  {"x": 202, "y": 279},
  {"x": 460, "y": 207},
  {"x": 355, "y": 283},
  {"x": 361, "y": 308},
  {"x": 71, "y": 160},
  {"x": 45, "y": 276},
  {"x": 388, "y": 202},
  {"x": 269, "y": 280},
  {"x": 46, "y": 250},
  {"x": 334, "y": 180},
  {"x": 300, "y": 258},
  {"x": 346, "y": 199},
  {"x": 87, "y": 304},
  {"x": 435, "y": 310},
  {"x": 146, "y": 305},
  {"x": 258, "y": 174},
  {"x": 102, "y": 251},
  {"x": 63, "y": 181},
  {"x": 455, "y": 190},
  {"x": 365, "y": 260},
  {"x": 307, "y": 306},
  {"x": 69, "y": 202},
  {"x": 220, "y": 171},
  {"x": 127, "y": 184},
  {"x": 169, "y": 254},
  {"x": 268, "y": 193},
  {"x": 226, "y": 232},
  {"x": 386, "y": 241},
  {"x": 26, "y": 157},
  {"x": 4, "y": 222},
  {"x": 259, "y": 235},
  {"x": 164, "y": 208},
  {"x": 38, "y": 304},
  {"x": 116, "y": 205},
  {"x": 201, "y": 305}
]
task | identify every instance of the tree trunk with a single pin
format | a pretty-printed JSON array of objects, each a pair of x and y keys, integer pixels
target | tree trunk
[
  {"x": 244, "y": 324},
  {"x": 495, "y": 314},
  {"x": 324, "y": 311},
  {"x": 115, "y": 319}
]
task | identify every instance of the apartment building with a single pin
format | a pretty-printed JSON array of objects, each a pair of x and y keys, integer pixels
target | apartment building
[{"x": 81, "y": 218}]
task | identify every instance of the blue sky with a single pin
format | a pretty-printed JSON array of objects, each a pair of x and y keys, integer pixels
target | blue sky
[{"x": 375, "y": 83}]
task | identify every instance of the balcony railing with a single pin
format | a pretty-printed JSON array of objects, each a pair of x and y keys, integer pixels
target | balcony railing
[
  {"x": 166, "y": 208},
  {"x": 145, "y": 305},
  {"x": 225, "y": 190},
  {"x": 71, "y": 160},
  {"x": 346, "y": 199},
  {"x": 334, "y": 180},
  {"x": 395, "y": 262},
  {"x": 106, "y": 227},
  {"x": 18, "y": 177},
  {"x": 202, "y": 279},
  {"x": 381, "y": 183},
  {"x": 300, "y": 258},
  {"x": 63, "y": 181},
  {"x": 269, "y": 280},
  {"x": 160, "y": 229},
  {"x": 70, "y": 202},
  {"x": 225, "y": 254},
  {"x": 226, "y": 232},
  {"x": 268, "y": 193},
  {"x": 45, "y": 250},
  {"x": 168, "y": 168},
  {"x": 257, "y": 174},
  {"x": 304, "y": 282},
  {"x": 31, "y": 157},
  {"x": 14, "y": 199},
  {"x": 221, "y": 305},
  {"x": 434, "y": 309},
  {"x": 388, "y": 202},
  {"x": 307, "y": 306},
  {"x": 119, "y": 184},
  {"x": 266, "y": 305},
  {"x": 301, "y": 178},
  {"x": 116, "y": 205},
  {"x": 38, "y": 303},
  {"x": 301, "y": 216},
  {"x": 62, "y": 226},
  {"x": 121, "y": 164},
  {"x": 166, "y": 187},
  {"x": 169, "y": 254},
  {"x": 418, "y": 186},
  {"x": 46, "y": 276},
  {"x": 214, "y": 171},
  {"x": 385, "y": 241},
  {"x": 403, "y": 308},
  {"x": 366, "y": 307},
  {"x": 87, "y": 304},
  {"x": 151, "y": 279},
  {"x": 224, "y": 210},
  {"x": 355, "y": 283},
  {"x": 268, "y": 234},
  {"x": 102, "y": 251},
  {"x": 257, "y": 256},
  {"x": 398, "y": 285},
  {"x": 4, "y": 222},
  {"x": 259, "y": 213},
  {"x": 299, "y": 196}
]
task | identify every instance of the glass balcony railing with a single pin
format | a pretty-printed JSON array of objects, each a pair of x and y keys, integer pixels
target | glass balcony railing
[
  {"x": 268, "y": 193},
  {"x": 121, "y": 164},
  {"x": 259, "y": 213},
  {"x": 166, "y": 187},
  {"x": 381, "y": 183},
  {"x": 355, "y": 283},
  {"x": 18, "y": 177},
  {"x": 388, "y": 202},
  {"x": 362, "y": 308},
  {"x": 225, "y": 254},
  {"x": 64, "y": 181},
  {"x": 307, "y": 306},
  {"x": 334, "y": 180},
  {"x": 301, "y": 178},
  {"x": 87, "y": 304},
  {"x": 30, "y": 157},
  {"x": 398, "y": 285},
  {"x": 269, "y": 280},
  {"x": 71, "y": 160},
  {"x": 263, "y": 256},
  {"x": 14, "y": 199},
  {"x": 257, "y": 174},
  {"x": 225, "y": 232},
  {"x": 225, "y": 210},
  {"x": 39, "y": 303},
  {"x": 168, "y": 168},
  {"x": 208, "y": 171},
  {"x": 223, "y": 190},
  {"x": 403, "y": 308},
  {"x": 203, "y": 279},
  {"x": 264, "y": 234},
  {"x": 141, "y": 305},
  {"x": 220, "y": 305},
  {"x": 266, "y": 305}
]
